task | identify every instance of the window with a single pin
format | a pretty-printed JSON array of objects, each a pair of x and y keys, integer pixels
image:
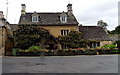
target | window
[
  {"x": 64, "y": 32},
  {"x": 94, "y": 44},
  {"x": 64, "y": 19},
  {"x": 64, "y": 47},
  {"x": 98, "y": 44},
  {"x": 34, "y": 18}
]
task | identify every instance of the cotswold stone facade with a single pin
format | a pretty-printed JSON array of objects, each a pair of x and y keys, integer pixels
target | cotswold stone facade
[
  {"x": 5, "y": 36},
  {"x": 2, "y": 40},
  {"x": 2, "y": 33}
]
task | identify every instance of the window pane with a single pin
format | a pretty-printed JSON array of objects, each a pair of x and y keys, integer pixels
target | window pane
[
  {"x": 64, "y": 47},
  {"x": 98, "y": 44},
  {"x": 64, "y": 32},
  {"x": 94, "y": 44},
  {"x": 67, "y": 32},
  {"x": 63, "y": 19},
  {"x": 61, "y": 32},
  {"x": 35, "y": 18}
]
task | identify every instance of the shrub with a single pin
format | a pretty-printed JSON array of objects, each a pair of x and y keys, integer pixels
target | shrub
[
  {"x": 35, "y": 48},
  {"x": 109, "y": 46},
  {"x": 118, "y": 44},
  {"x": 115, "y": 50}
]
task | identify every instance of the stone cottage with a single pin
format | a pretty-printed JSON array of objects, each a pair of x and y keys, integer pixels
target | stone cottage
[
  {"x": 97, "y": 36},
  {"x": 57, "y": 23},
  {"x": 6, "y": 39},
  {"x": 61, "y": 23}
]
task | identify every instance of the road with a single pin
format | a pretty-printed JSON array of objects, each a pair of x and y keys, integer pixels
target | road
[{"x": 61, "y": 64}]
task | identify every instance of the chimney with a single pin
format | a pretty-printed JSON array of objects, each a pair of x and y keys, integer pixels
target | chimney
[
  {"x": 69, "y": 8},
  {"x": 23, "y": 11},
  {"x": 1, "y": 15}
]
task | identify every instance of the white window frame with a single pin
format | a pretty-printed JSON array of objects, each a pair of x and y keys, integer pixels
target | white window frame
[
  {"x": 64, "y": 32},
  {"x": 63, "y": 19},
  {"x": 34, "y": 18}
]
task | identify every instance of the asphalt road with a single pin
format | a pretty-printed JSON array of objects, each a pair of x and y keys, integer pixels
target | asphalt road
[{"x": 61, "y": 64}]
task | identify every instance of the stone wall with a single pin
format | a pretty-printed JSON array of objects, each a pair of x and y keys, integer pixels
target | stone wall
[
  {"x": 56, "y": 30},
  {"x": 5, "y": 31},
  {"x": 2, "y": 39},
  {"x": 102, "y": 43}
]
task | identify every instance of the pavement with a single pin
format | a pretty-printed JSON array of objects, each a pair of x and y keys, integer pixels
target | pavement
[{"x": 61, "y": 64}]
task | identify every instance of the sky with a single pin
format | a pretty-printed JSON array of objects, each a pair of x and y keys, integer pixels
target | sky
[{"x": 87, "y": 12}]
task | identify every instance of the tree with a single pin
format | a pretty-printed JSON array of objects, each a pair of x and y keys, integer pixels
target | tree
[
  {"x": 102, "y": 24},
  {"x": 116, "y": 31},
  {"x": 28, "y": 35},
  {"x": 72, "y": 40}
]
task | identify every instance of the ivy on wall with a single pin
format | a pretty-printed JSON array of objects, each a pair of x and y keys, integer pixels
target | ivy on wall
[{"x": 28, "y": 35}]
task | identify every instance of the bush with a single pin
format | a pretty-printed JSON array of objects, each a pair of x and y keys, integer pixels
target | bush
[
  {"x": 109, "y": 46},
  {"x": 32, "y": 48},
  {"x": 115, "y": 50},
  {"x": 118, "y": 44}
]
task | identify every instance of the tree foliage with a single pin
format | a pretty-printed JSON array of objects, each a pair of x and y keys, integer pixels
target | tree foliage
[
  {"x": 28, "y": 35},
  {"x": 116, "y": 31},
  {"x": 72, "y": 40},
  {"x": 102, "y": 24}
]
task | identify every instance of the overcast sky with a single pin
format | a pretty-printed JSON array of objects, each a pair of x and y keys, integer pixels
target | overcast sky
[{"x": 87, "y": 12}]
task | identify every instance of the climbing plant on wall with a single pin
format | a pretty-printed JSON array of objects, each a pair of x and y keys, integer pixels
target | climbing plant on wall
[
  {"x": 28, "y": 35},
  {"x": 72, "y": 40}
]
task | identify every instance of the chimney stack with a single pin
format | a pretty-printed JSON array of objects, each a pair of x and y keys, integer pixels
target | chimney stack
[
  {"x": 23, "y": 11},
  {"x": 69, "y": 8},
  {"x": 1, "y": 15}
]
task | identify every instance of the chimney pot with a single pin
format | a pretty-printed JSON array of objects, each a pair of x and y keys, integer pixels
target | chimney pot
[
  {"x": 23, "y": 11},
  {"x": 69, "y": 8}
]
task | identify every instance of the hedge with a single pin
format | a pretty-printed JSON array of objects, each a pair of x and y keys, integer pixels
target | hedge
[{"x": 70, "y": 52}]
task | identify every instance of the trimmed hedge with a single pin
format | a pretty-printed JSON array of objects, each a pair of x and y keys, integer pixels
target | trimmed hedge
[{"x": 69, "y": 52}]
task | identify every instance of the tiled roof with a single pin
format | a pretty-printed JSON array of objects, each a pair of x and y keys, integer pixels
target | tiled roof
[
  {"x": 94, "y": 33},
  {"x": 48, "y": 19}
]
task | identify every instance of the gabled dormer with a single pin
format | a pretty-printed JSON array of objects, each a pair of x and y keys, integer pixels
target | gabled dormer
[
  {"x": 63, "y": 17},
  {"x": 35, "y": 17}
]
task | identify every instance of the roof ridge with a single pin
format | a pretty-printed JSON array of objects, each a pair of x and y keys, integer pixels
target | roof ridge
[
  {"x": 89, "y": 26},
  {"x": 45, "y": 12}
]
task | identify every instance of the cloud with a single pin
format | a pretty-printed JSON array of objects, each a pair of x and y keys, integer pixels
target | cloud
[
  {"x": 87, "y": 12},
  {"x": 107, "y": 11}
]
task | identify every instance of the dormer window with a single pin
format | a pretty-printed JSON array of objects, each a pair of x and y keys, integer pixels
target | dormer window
[
  {"x": 35, "y": 17},
  {"x": 63, "y": 17}
]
